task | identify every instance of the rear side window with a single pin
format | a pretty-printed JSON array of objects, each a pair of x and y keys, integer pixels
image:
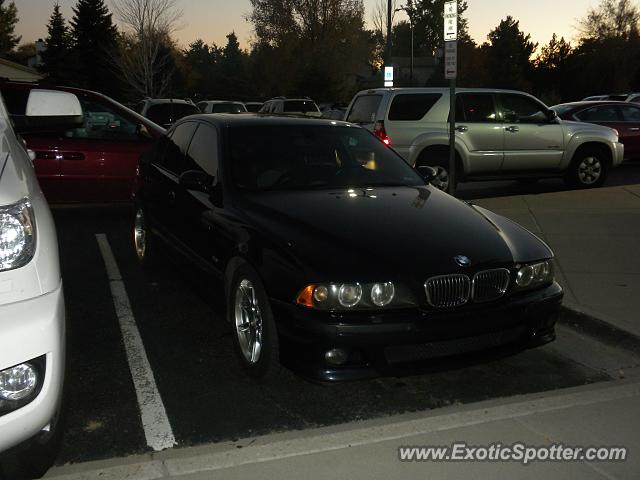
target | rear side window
[
  {"x": 409, "y": 107},
  {"x": 630, "y": 113},
  {"x": 475, "y": 108},
  {"x": 364, "y": 109},
  {"x": 16, "y": 100},
  {"x": 602, "y": 113}
]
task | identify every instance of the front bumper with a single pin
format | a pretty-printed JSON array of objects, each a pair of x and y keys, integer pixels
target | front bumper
[
  {"x": 386, "y": 343},
  {"x": 28, "y": 330}
]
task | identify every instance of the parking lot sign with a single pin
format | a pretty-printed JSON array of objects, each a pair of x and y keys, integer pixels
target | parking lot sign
[
  {"x": 451, "y": 21},
  {"x": 388, "y": 76},
  {"x": 450, "y": 60}
]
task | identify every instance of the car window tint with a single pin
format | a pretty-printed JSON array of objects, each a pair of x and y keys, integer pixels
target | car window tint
[
  {"x": 413, "y": 106},
  {"x": 601, "y": 113},
  {"x": 168, "y": 113},
  {"x": 630, "y": 113},
  {"x": 364, "y": 109},
  {"x": 303, "y": 106},
  {"x": 102, "y": 122},
  {"x": 16, "y": 100},
  {"x": 203, "y": 151},
  {"x": 173, "y": 156},
  {"x": 475, "y": 108},
  {"x": 314, "y": 157},
  {"x": 522, "y": 109}
]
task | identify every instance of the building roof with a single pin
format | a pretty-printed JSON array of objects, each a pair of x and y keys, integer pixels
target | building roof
[{"x": 16, "y": 71}]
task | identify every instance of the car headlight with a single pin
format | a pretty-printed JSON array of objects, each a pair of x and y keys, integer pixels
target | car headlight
[
  {"x": 21, "y": 384},
  {"x": 355, "y": 296},
  {"x": 17, "y": 235},
  {"x": 535, "y": 275}
]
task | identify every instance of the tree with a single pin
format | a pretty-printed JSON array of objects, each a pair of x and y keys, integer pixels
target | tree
[
  {"x": 550, "y": 69},
  {"x": 201, "y": 63},
  {"x": 8, "y": 21},
  {"x": 94, "y": 41},
  {"x": 232, "y": 80},
  {"x": 147, "y": 62},
  {"x": 428, "y": 21},
  {"x": 508, "y": 56},
  {"x": 56, "y": 56},
  {"x": 611, "y": 19},
  {"x": 320, "y": 45}
]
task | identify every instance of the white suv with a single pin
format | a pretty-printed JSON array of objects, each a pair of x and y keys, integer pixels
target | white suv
[
  {"x": 32, "y": 311},
  {"x": 500, "y": 134}
]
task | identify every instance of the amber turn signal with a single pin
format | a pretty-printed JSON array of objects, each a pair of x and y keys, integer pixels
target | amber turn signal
[{"x": 305, "y": 297}]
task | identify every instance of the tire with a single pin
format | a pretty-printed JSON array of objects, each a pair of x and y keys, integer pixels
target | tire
[
  {"x": 441, "y": 165},
  {"x": 588, "y": 169},
  {"x": 145, "y": 245},
  {"x": 33, "y": 458},
  {"x": 255, "y": 335}
]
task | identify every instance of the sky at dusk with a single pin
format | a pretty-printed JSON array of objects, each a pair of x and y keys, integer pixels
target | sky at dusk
[{"x": 211, "y": 20}]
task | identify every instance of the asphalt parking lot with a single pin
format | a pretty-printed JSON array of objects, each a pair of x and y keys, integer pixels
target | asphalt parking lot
[{"x": 207, "y": 398}]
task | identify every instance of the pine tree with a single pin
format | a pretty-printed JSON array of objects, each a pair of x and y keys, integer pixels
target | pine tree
[
  {"x": 8, "y": 20},
  {"x": 55, "y": 57},
  {"x": 94, "y": 39}
]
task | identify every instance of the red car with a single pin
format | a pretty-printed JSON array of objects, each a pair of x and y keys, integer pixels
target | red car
[
  {"x": 622, "y": 116},
  {"x": 94, "y": 162}
]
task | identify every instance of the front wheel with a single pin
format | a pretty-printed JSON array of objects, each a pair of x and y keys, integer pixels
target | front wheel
[
  {"x": 588, "y": 169},
  {"x": 143, "y": 241},
  {"x": 254, "y": 331}
]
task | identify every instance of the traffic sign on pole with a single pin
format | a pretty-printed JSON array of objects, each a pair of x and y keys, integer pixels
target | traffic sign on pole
[
  {"x": 450, "y": 60},
  {"x": 451, "y": 21}
]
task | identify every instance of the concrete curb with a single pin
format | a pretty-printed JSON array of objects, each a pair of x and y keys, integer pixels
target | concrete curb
[
  {"x": 583, "y": 320},
  {"x": 176, "y": 463}
]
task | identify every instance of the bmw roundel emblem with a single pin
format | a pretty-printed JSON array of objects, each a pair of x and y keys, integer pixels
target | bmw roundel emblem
[{"x": 462, "y": 260}]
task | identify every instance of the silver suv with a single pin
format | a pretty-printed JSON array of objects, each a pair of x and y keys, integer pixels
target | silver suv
[{"x": 500, "y": 134}]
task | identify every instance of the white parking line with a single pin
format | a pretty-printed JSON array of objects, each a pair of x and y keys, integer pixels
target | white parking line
[{"x": 155, "y": 422}]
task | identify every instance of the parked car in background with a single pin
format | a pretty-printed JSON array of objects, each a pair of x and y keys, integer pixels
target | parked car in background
[
  {"x": 221, "y": 106},
  {"x": 94, "y": 162},
  {"x": 624, "y": 117},
  {"x": 621, "y": 97},
  {"x": 333, "y": 111},
  {"x": 167, "y": 111},
  {"x": 32, "y": 308},
  {"x": 500, "y": 134},
  {"x": 299, "y": 219},
  {"x": 253, "y": 107},
  {"x": 291, "y": 106}
]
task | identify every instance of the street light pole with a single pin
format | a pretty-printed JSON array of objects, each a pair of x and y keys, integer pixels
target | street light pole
[
  {"x": 412, "y": 29},
  {"x": 389, "y": 20}
]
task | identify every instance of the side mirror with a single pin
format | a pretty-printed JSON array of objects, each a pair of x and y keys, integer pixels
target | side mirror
[
  {"x": 426, "y": 172},
  {"x": 53, "y": 108},
  {"x": 196, "y": 180},
  {"x": 552, "y": 115}
]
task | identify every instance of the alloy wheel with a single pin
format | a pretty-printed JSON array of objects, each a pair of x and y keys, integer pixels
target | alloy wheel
[
  {"x": 589, "y": 170},
  {"x": 248, "y": 319},
  {"x": 140, "y": 235},
  {"x": 441, "y": 180}
]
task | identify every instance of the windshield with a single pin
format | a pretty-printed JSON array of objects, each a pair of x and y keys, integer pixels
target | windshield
[
  {"x": 169, "y": 113},
  {"x": 302, "y": 106},
  {"x": 313, "y": 157}
]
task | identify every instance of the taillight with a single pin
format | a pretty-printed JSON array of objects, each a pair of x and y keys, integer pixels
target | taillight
[{"x": 381, "y": 133}]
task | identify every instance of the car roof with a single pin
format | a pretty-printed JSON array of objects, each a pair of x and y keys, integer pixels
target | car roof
[
  {"x": 590, "y": 103},
  {"x": 261, "y": 119},
  {"x": 157, "y": 101},
  {"x": 438, "y": 90}
]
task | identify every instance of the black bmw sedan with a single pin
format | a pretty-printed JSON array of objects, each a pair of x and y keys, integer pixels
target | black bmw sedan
[{"x": 338, "y": 260}]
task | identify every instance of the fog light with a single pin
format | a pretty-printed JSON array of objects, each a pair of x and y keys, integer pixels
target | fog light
[
  {"x": 382, "y": 293},
  {"x": 337, "y": 356},
  {"x": 18, "y": 382}
]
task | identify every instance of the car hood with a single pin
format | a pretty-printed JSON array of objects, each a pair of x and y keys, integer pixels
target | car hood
[{"x": 382, "y": 231}]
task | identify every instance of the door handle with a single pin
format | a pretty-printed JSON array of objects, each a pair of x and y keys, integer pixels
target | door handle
[
  {"x": 634, "y": 129},
  {"x": 172, "y": 197},
  {"x": 462, "y": 128},
  {"x": 512, "y": 129}
]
